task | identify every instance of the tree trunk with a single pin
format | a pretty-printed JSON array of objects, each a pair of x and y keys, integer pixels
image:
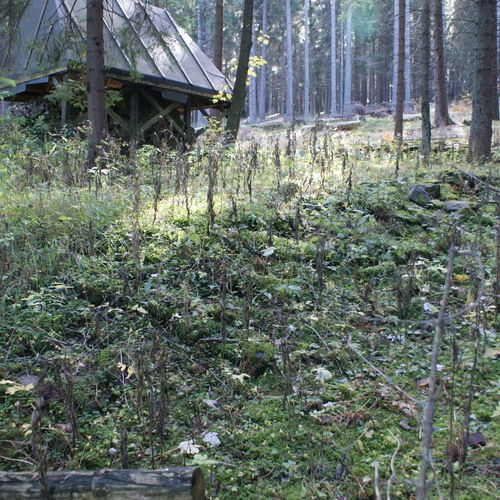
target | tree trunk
[
  {"x": 496, "y": 109},
  {"x": 425, "y": 94},
  {"x": 484, "y": 90},
  {"x": 348, "y": 63},
  {"x": 96, "y": 97},
  {"x": 408, "y": 105},
  {"x": 394, "y": 96},
  {"x": 307, "y": 69},
  {"x": 219, "y": 33},
  {"x": 199, "y": 23},
  {"x": 289, "y": 63},
  {"x": 263, "y": 69},
  {"x": 252, "y": 94},
  {"x": 240, "y": 86},
  {"x": 333, "y": 57},
  {"x": 398, "y": 117},
  {"x": 181, "y": 483},
  {"x": 441, "y": 115}
]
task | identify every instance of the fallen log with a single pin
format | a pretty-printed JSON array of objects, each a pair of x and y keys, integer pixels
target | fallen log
[
  {"x": 176, "y": 483},
  {"x": 278, "y": 122},
  {"x": 348, "y": 125}
]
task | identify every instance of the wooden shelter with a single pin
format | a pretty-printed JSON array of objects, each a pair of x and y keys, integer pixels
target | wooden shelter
[{"x": 161, "y": 74}]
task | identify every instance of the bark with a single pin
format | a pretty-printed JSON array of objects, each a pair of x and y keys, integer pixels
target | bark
[
  {"x": 425, "y": 63},
  {"x": 219, "y": 33},
  {"x": 395, "y": 54},
  {"x": 263, "y": 69},
  {"x": 307, "y": 69},
  {"x": 96, "y": 97},
  {"x": 240, "y": 86},
  {"x": 199, "y": 24},
  {"x": 348, "y": 63},
  {"x": 333, "y": 57},
  {"x": 252, "y": 96},
  {"x": 289, "y": 63},
  {"x": 407, "y": 105},
  {"x": 181, "y": 483},
  {"x": 441, "y": 115},
  {"x": 484, "y": 89},
  {"x": 496, "y": 109},
  {"x": 433, "y": 391},
  {"x": 398, "y": 117}
]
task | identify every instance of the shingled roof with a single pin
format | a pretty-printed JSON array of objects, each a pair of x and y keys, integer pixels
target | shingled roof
[{"x": 141, "y": 41}]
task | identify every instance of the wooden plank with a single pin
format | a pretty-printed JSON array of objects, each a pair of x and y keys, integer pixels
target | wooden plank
[
  {"x": 176, "y": 483},
  {"x": 111, "y": 83}
]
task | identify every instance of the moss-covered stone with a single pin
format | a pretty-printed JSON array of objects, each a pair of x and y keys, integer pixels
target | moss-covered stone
[
  {"x": 380, "y": 270},
  {"x": 258, "y": 357}
]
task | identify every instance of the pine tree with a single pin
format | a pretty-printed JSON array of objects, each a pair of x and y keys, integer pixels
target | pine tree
[
  {"x": 348, "y": 62},
  {"x": 307, "y": 69},
  {"x": 96, "y": 97},
  {"x": 441, "y": 116},
  {"x": 239, "y": 93},
  {"x": 408, "y": 104},
  {"x": 333, "y": 57},
  {"x": 263, "y": 70},
  {"x": 289, "y": 63},
  {"x": 398, "y": 116},
  {"x": 485, "y": 81},
  {"x": 425, "y": 68}
]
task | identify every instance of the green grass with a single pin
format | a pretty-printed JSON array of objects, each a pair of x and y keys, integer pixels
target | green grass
[{"x": 90, "y": 285}]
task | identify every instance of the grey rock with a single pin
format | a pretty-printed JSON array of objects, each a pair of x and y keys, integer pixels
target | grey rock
[
  {"x": 26, "y": 380},
  {"x": 418, "y": 194},
  {"x": 455, "y": 206}
]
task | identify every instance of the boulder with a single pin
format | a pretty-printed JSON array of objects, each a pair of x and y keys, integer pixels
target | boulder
[
  {"x": 418, "y": 194},
  {"x": 456, "y": 206}
]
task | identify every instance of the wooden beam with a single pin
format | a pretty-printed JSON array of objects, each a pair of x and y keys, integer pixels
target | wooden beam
[
  {"x": 134, "y": 115},
  {"x": 163, "y": 113},
  {"x": 118, "y": 119},
  {"x": 175, "y": 483},
  {"x": 177, "y": 124}
]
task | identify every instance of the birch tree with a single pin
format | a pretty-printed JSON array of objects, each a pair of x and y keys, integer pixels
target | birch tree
[{"x": 289, "y": 63}]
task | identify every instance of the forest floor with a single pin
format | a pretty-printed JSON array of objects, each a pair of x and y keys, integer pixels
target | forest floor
[{"x": 280, "y": 338}]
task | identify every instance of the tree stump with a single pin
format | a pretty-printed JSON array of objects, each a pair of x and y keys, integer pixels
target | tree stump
[{"x": 177, "y": 483}]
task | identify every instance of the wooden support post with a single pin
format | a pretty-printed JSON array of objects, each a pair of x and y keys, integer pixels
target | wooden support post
[
  {"x": 187, "y": 121},
  {"x": 134, "y": 119},
  {"x": 177, "y": 483},
  {"x": 64, "y": 106}
]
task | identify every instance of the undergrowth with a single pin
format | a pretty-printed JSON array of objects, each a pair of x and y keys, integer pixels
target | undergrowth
[{"x": 267, "y": 319}]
